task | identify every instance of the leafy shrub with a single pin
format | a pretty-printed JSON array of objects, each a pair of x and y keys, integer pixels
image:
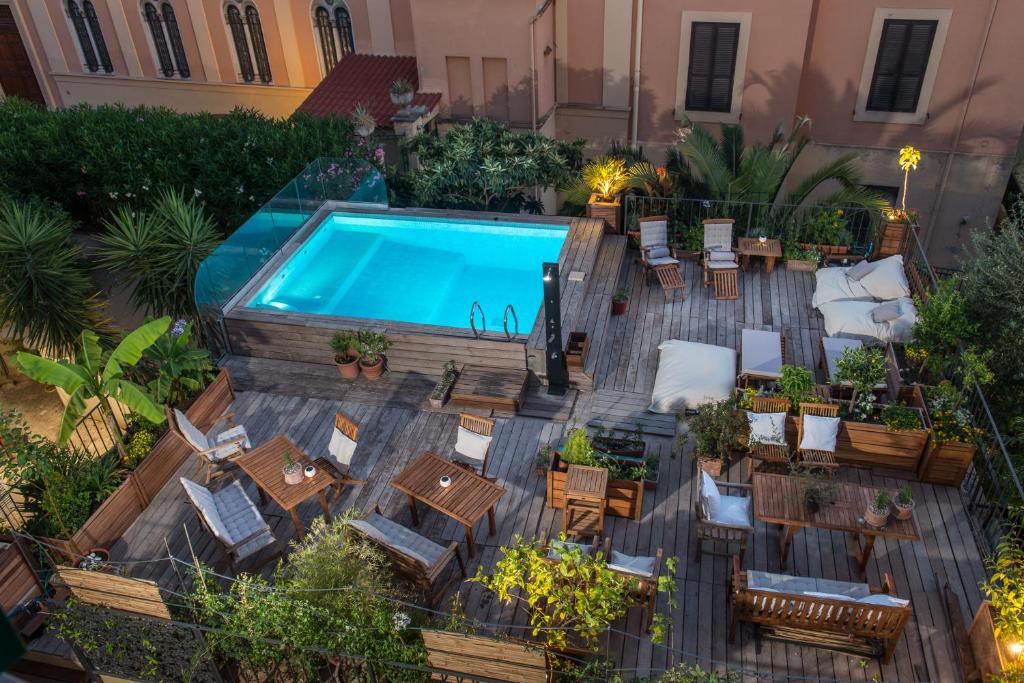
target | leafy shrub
[
  {"x": 90, "y": 159},
  {"x": 175, "y": 367},
  {"x": 942, "y": 326},
  {"x": 950, "y": 422},
  {"x": 717, "y": 428},
  {"x": 826, "y": 226},
  {"x": 140, "y": 443},
  {"x": 863, "y": 368},
  {"x": 796, "y": 383},
  {"x": 1005, "y": 586},
  {"x": 579, "y": 450}
]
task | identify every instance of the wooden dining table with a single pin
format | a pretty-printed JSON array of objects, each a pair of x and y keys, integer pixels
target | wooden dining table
[
  {"x": 466, "y": 499},
  {"x": 778, "y": 499}
]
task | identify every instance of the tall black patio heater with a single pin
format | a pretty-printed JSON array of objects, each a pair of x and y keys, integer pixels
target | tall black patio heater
[{"x": 558, "y": 375}]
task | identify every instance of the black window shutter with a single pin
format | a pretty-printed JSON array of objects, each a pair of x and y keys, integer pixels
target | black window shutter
[
  {"x": 712, "y": 67},
  {"x": 900, "y": 65}
]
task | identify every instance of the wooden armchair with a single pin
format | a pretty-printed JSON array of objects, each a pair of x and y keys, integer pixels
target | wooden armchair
[
  {"x": 340, "y": 449},
  {"x": 644, "y": 571},
  {"x": 473, "y": 442},
  {"x": 726, "y": 529},
  {"x": 654, "y": 249},
  {"x": 217, "y": 451},
  {"x": 769, "y": 454},
  {"x": 809, "y": 457},
  {"x": 718, "y": 253},
  {"x": 416, "y": 557}
]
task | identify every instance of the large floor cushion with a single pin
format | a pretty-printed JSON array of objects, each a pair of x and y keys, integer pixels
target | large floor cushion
[
  {"x": 692, "y": 374},
  {"x": 852, "y": 320},
  {"x": 399, "y": 538},
  {"x": 833, "y": 285}
]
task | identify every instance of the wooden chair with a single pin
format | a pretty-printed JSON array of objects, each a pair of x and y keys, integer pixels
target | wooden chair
[
  {"x": 644, "y": 570},
  {"x": 773, "y": 455},
  {"x": 654, "y": 250},
  {"x": 230, "y": 516},
  {"x": 416, "y": 557},
  {"x": 815, "y": 458},
  {"x": 473, "y": 442},
  {"x": 857, "y": 620},
  {"x": 340, "y": 449},
  {"x": 586, "y": 500},
  {"x": 718, "y": 254},
  {"x": 716, "y": 531},
  {"x": 217, "y": 451}
]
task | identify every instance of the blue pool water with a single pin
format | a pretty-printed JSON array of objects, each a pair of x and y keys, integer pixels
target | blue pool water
[{"x": 418, "y": 270}]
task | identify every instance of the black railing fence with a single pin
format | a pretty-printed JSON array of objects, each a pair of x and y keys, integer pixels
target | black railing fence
[{"x": 854, "y": 226}]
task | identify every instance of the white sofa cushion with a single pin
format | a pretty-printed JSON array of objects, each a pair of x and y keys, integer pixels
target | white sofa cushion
[
  {"x": 852, "y": 320},
  {"x": 819, "y": 433},
  {"x": 733, "y": 510},
  {"x": 887, "y": 279},
  {"x": 710, "y": 498},
  {"x": 628, "y": 564},
  {"x": 692, "y": 374},
  {"x": 471, "y": 445},
  {"x": 767, "y": 428}
]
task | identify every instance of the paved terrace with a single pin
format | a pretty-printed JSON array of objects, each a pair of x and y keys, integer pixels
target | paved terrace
[{"x": 396, "y": 425}]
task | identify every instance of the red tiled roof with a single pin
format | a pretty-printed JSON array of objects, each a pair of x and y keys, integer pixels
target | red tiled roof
[{"x": 366, "y": 79}]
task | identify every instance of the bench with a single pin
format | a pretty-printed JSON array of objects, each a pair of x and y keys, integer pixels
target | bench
[
  {"x": 495, "y": 389},
  {"x": 848, "y": 617}
]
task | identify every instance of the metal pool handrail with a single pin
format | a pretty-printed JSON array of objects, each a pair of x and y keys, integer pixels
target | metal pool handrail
[
  {"x": 515, "y": 319},
  {"x": 472, "y": 318}
]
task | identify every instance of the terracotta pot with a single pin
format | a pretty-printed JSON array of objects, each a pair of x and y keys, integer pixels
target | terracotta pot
[
  {"x": 619, "y": 307},
  {"x": 872, "y": 518},
  {"x": 712, "y": 467},
  {"x": 900, "y": 512},
  {"x": 372, "y": 370},
  {"x": 349, "y": 368},
  {"x": 292, "y": 476}
]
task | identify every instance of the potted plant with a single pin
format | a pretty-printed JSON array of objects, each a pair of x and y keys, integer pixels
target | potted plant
[
  {"x": 862, "y": 368},
  {"x": 825, "y": 232},
  {"x": 630, "y": 443},
  {"x": 997, "y": 632},
  {"x": 401, "y": 92},
  {"x": 346, "y": 355},
  {"x": 363, "y": 121},
  {"x": 620, "y": 301},
  {"x": 444, "y": 385},
  {"x": 717, "y": 428},
  {"x": 903, "y": 503},
  {"x": 625, "y": 479},
  {"x": 877, "y": 512},
  {"x": 292, "y": 471},
  {"x": 606, "y": 177},
  {"x": 372, "y": 347},
  {"x": 688, "y": 243},
  {"x": 797, "y": 384},
  {"x": 799, "y": 259},
  {"x": 895, "y": 222},
  {"x": 817, "y": 488},
  {"x": 542, "y": 460}
]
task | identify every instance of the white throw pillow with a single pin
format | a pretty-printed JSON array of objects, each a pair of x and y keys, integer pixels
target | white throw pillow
[
  {"x": 819, "y": 433},
  {"x": 341, "y": 448},
  {"x": 861, "y": 269},
  {"x": 887, "y": 281},
  {"x": 767, "y": 428},
  {"x": 709, "y": 494},
  {"x": 733, "y": 510},
  {"x": 472, "y": 445}
]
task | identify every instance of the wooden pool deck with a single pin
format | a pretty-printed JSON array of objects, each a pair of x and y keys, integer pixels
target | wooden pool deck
[{"x": 300, "y": 400}]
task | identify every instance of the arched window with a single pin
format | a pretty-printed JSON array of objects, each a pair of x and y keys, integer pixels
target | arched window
[
  {"x": 90, "y": 36},
  {"x": 259, "y": 47},
  {"x": 237, "y": 27},
  {"x": 156, "y": 29},
  {"x": 174, "y": 37},
  {"x": 343, "y": 20},
  {"x": 325, "y": 31}
]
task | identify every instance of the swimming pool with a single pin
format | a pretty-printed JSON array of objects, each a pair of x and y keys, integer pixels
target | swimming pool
[{"x": 416, "y": 269}]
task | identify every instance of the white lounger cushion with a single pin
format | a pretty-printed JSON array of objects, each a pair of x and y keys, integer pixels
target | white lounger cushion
[
  {"x": 819, "y": 433},
  {"x": 230, "y": 515},
  {"x": 886, "y": 280},
  {"x": 852, "y": 319},
  {"x": 628, "y": 564},
  {"x": 662, "y": 261},
  {"x": 802, "y": 585},
  {"x": 767, "y": 428},
  {"x": 761, "y": 353},
  {"x": 692, "y": 374},
  {"x": 399, "y": 538},
  {"x": 472, "y": 446}
]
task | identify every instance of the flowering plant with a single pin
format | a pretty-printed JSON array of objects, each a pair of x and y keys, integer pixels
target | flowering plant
[
  {"x": 950, "y": 422},
  {"x": 895, "y": 215}
]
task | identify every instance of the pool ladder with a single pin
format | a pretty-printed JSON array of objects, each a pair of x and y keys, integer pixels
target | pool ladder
[{"x": 477, "y": 307}]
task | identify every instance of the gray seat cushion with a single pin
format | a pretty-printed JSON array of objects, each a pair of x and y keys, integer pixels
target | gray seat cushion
[
  {"x": 399, "y": 538},
  {"x": 242, "y": 518},
  {"x": 628, "y": 564},
  {"x": 799, "y": 585}
]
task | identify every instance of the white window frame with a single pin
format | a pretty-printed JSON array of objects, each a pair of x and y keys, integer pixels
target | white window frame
[
  {"x": 739, "y": 71},
  {"x": 920, "y": 115}
]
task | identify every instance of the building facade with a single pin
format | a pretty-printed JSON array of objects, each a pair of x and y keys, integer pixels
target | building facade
[{"x": 873, "y": 76}]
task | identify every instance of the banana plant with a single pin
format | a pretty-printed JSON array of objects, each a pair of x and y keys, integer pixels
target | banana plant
[{"x": 99, "y": 374}]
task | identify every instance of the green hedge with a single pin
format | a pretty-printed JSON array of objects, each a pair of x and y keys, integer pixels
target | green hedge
[{"x": 91, "y": 159}]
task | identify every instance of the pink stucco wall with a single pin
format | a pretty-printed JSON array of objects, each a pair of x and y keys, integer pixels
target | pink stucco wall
[
  {"x": 544, "y": 39},
  {"x": 585, "y": 51}
]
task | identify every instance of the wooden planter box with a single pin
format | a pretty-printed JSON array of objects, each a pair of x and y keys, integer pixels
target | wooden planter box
[
  {"x": 826, "y": 250},
  {"x": 684, "y": 254},
  {"x": 872, "y": 445},
  {"x": 576, "y": 350},
  {"x": 801, "y": 265},
  {"x": 991, "y": 655},
  {"x": 945, "y": 464},
  {"x": 611, "y": 212},
  {"x": 625, "y": 498},
  {"x": 892, "y": 238}
]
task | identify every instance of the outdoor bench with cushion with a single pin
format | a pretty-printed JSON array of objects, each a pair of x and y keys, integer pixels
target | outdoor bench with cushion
[
  {"x": 417, "y": 557},
  {"x": 848, "y": 617}
]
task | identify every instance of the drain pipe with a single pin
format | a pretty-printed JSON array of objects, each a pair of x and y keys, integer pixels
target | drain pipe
[
  {"x": 960, "y": 127},
  {"x": 533, "y": 61},
  {"x": 638, "y": 39}
]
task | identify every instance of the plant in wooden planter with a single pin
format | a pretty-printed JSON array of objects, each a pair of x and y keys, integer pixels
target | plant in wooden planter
[
  {"x": 943, "y": 326},
  {"x": 954, "y": 436},
  {"x": 1001, "y": 639},
  {"x": 877, "y": 512},
  {"x": 345, "y": 345},
  {"x": 606, "y": 178},
  {"x": 444, "y": 385},
  {"x": 800, "y": 259},
  {"x": 629, "y": 442},
  {"x": 569, "y": 602},
  {"x": 620, "y": 301},
  {"x": 372, "y": 347},
  {"x": 542, "y": 460},
  {"x": 797, "y": 384},
  {"x": 687, "y": 243},
  {"x": 626, "y": 477},
  {"x": 826, "y": 232},
  {"x": 862, "y": 368},
  {"x": 717, "y": 428},
  {"x": 897, "y": 417},
  {"x": 903, "y": 503}
]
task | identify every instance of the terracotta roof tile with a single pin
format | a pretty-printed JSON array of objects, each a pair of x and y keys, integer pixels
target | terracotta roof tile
[{"x": 366, "y": 79}]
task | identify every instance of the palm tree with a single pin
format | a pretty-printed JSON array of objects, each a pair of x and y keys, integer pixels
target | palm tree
[
  {"x": 99, "y": 374},
  {"x": 160, "y": 251},
  {"x": 46, "y": 295}
]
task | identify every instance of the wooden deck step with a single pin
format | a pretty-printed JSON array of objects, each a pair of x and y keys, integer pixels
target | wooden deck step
[
  {"x": 498, "y": 389},
  {"x": 626, "y": 410}
]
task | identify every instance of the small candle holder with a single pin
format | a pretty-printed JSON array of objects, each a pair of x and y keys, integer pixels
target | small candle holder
[
  {"x": 762, "y": 239},
  {"x": 445, "y": 481},
  {"x": 310, "y": 471}
]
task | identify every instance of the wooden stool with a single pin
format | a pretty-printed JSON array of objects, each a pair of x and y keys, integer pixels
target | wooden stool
[
  {"x": 586, "y": 490},
  {"x": 671, "y": 280},
  {"x": 727, "y": 284}
]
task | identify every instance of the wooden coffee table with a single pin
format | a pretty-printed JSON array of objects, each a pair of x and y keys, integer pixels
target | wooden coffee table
[
  {"x": 770, "y": 250},
  {"x": 264, "y": 464},
  {"x": 778, "y": 499},
  {"x": 466, "y": 500}
]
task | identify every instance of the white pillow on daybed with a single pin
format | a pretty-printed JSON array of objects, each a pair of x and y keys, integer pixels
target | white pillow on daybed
[
  {"x": 852, "y": 320},
  {"x": 887, "y": 280},
  {"x": 831, "y": 284},
  {"x": 692, "y": 374}
]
